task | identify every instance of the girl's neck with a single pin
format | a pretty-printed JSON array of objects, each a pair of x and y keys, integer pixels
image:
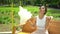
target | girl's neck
[{"x": 41, "y": 16}]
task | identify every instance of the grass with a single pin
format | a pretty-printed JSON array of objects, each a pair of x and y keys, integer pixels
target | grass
[{"x": 9, "y": 8}]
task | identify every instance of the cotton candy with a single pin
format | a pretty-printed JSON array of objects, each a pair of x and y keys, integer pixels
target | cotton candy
[{"x": 24, "y": 15}]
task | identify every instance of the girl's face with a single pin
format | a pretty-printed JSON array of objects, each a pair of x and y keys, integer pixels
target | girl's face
[{"x": 42, "y": 10}]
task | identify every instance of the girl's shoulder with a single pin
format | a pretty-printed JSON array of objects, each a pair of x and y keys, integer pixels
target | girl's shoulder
[{"x": 49, "y": 17}]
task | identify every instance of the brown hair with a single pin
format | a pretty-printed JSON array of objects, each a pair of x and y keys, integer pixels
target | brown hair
[{"x": 45, "y": 8}]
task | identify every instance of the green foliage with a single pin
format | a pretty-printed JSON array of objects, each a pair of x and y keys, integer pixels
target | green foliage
[
  {"x": 5, "y": 15},
  {"x": 51, "y": 3}
]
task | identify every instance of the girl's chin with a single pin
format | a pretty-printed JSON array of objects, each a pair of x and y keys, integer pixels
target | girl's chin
[{"x": 41, "y": 13}]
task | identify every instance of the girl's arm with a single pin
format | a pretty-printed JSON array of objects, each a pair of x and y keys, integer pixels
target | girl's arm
[{"x": 48, "y": 19}]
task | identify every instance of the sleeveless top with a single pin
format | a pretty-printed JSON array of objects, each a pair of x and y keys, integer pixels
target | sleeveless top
[
  {"x": 40, "y": 26},
  {"x": 41, "y": 22}
]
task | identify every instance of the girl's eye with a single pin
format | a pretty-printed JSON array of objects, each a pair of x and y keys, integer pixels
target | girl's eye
[{"x": 42, "y": 8}]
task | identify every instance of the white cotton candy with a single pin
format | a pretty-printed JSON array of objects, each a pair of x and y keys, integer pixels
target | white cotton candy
[{"x": 24, "y": 15}]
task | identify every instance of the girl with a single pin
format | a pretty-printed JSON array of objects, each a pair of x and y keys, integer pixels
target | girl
[{"x": 42, "y": 21}]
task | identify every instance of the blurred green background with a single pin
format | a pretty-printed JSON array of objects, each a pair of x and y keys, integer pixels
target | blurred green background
[
  {"x": 5, "y": 13},
  {"x": 30, "y": 5}
]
